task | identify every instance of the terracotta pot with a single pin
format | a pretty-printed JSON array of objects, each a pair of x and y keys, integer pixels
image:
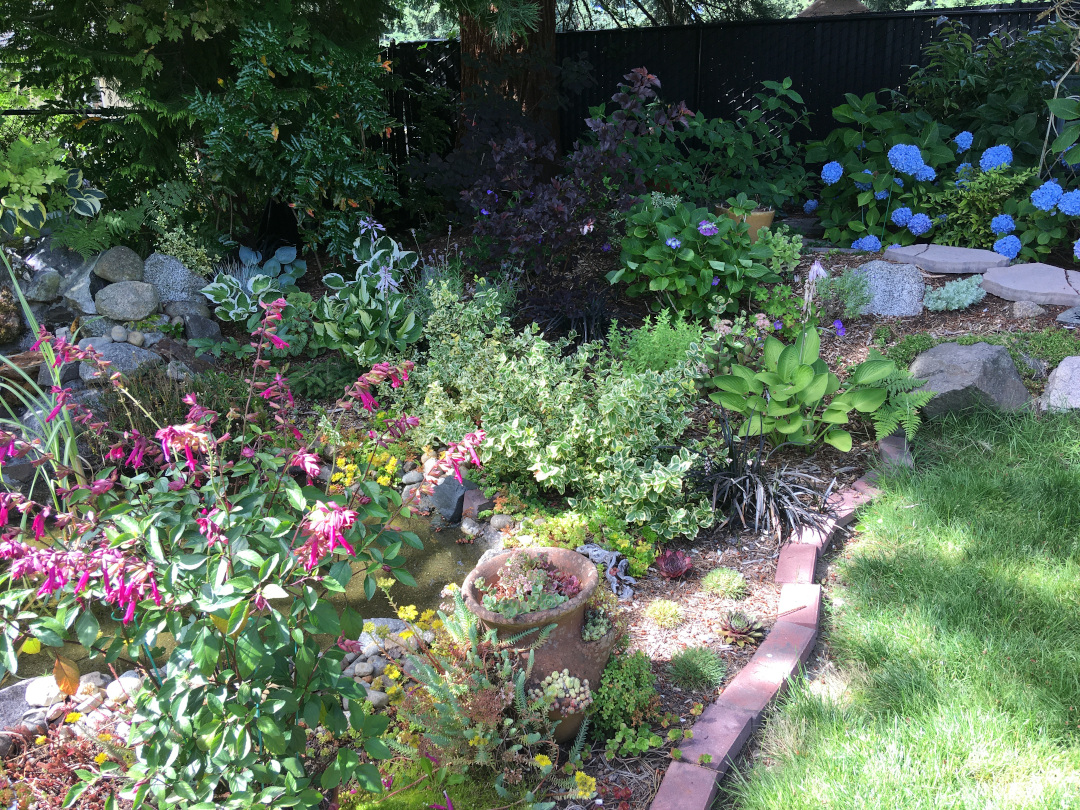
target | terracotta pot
[
  {"x": 756, "y": 220},
  {"x": 564, "y": 648}
]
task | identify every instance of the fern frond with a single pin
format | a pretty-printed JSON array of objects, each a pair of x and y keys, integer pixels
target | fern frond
[{"x": 579, "y": 741}]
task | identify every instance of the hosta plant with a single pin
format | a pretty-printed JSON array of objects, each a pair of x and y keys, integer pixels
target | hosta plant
[
  {"x": 795, "y": 399},
  {"x": 31, "y": 173},
  {"x": 212, "y": 539},
  {"x": 239, "y": 287}
]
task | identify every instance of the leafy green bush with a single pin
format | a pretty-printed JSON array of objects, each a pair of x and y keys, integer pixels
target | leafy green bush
[
  {"x": 627, "y": 694},
  {"x": 657, "y": 345},
  {"x": 784, "y": 246},
  {"x": 34, "y": 181},
  {"x": 959, "y": 294},
  {"x": 844, "y": 296},
  {"x": 577, "y": 422},
  {"x": 300, "y": 123},
  {"x": 697, "y": 668},
  {"x": 726, "y": 583},
  {"x": 689, "y": 257},
  {"x": 632, "y": 742}
]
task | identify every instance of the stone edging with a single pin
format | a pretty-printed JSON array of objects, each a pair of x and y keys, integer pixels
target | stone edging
[{"x": 726, "y": 724}]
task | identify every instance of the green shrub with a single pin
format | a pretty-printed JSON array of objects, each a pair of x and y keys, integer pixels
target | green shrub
[
  {"x": 844, "y": 296},
  {"x": 697, "y": 668},
  {"x": 785, "y": 247},
  {"x": 627, "y": 694},
  {"x": 664, "y": 613},
  {"x": 580, "y": 423},
  {"x": 632, "y": 742},
  {"x": 959, "y": 294},
  {"x": 659, "y": 345},
  {"x": 726, "y": 583}
]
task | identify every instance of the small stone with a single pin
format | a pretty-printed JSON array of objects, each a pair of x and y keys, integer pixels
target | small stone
[
  {"x": 429, "y": 464},
  {"x": 380, "y": 700},
  {"x": 43, "y": 691},
  {"x": 501, "y": 522},
  {"x": 348, "y": 672},
  {"x": 95, "y": 680},
  {"x": 119, "y": 334},
  {"x": 123, "y": 731},
  {"x": 470, "y": 527},
  {"x": 35, "y": 721},
  {"x": 119, "y": 264},
  {"x": 426, "y": 457},
  {"x": 127, "y": 685},
  {"x": 136, "y": 338},
  {"x": 96, "y": 343},
  {"x": 378, "y": 665},
  {"x": 410, "y": 466},
  {"x": 43, "y": 286},
  {"x": 349, "y": 658},
  {"x": 90, "y": 703},
  {"x": 1025, "y": 309},
  {"x": 362, "y": 668},
  {"x": 177, "y": 371},
  {"x": 196, "y": 327},
  {"x": 55, "y": 712},
  {"x": 412, "y": 477},
  {"x": 371, "y": 650},
  {"x": 1063, "y": 388},
  {"x": 176, "y": 321},
  {"x": 96, "y": 326}
]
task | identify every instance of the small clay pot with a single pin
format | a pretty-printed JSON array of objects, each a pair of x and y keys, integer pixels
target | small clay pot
[
  {"x": 564, "y": 648},
  {"x": 756, "y": 220}
]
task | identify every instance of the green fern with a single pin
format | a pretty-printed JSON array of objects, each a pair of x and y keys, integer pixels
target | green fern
[{"x": 901, "y": 407}]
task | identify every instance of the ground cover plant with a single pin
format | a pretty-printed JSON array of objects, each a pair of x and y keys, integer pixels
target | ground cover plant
[{"x": 954, "y": 636}]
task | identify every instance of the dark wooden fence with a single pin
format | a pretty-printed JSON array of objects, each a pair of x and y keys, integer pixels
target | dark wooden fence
[{"x": 717, "y": 68}]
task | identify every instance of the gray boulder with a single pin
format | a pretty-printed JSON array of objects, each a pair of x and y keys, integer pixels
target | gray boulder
[
  {"x": 1063, "y": 388},
  {"x": 97, "y": 326},
  {"x": 62, "y": 260},
  {"x": 77, "y": 294},
  {"x": 119, "y": 264},
  {"x": 127, "y": 300},
  {"x": 895, "y": 289},
  {"x": 448, "y": 498},
  {"x": 181, "y": 309},
  {"x": 965, "y": 376},
  {"x": 172, "y": 280},
  {"x": 43, "y": 286},
  {"x": 124, "y": 358},
  {"x": 196, "y": 327}
]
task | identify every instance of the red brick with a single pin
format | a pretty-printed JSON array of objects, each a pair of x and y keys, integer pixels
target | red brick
[
  {"x": 800, "y": 604},
  {"x": 814, "y": 536},
  {"x": 796, "y": 563},
  {"x": 894, "y": 451},
  {"x": 720, "y": 732},
  {"x": 775, "y": 662},
  {"x": 844, "y": 503},
  {"x": 686, "y": 787},
  {"x": 865, "y": 487}
]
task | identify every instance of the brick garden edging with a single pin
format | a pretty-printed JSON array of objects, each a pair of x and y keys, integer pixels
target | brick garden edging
[{"x": 725, "y": 725}]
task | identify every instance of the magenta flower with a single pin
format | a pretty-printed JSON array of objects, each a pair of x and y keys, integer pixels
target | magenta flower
[
  {"x": 308, "y": 462},
  {"x": 188, "y": 437},
  {"x": 448, "y": 806},
  {"x": 324, "y": 527}
]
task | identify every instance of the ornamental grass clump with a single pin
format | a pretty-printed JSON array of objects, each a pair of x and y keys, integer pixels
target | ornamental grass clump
[
  {"x": 526, "y": 584},
  {"x": 664, "y": 613},
  {"x": 697, "y": 668},
  {"x": 220, "y": 541}
]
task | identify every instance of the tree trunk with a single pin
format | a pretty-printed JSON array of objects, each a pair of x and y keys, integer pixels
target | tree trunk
[{"x": 522, "y": 71}]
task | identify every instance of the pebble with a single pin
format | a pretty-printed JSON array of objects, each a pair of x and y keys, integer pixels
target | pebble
[
  {"x": 123, "y": 730},
  {"x": 35, "y": 721},
  {"x": 379, "y": 665},
  {"x": 119, "y": 334},
  {"x": 349, "y": 658},
  {"x": 126, "y": 686},
  {"x": 371, "y": 650},
  {"x": 410, "y": 466},
  {"x": 43, "y": 691},
  {"x": 429, "y": 464},
  {"x": 136, "y": 338},
  {"x": 362, "y": 668},
  {"x": 380, "y": 700},
  {"x": 501, "y": 522},
  {"x": 413, "y": 477},
  {"x": 90, "y": 703},
  {"x": 56, "y": 711},
  {"x": 470, "y": 527},
  {"x": 95, "y": 680}
]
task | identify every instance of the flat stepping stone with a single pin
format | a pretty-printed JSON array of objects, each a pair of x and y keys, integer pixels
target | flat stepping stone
[
  {"x": 946, "y": 258},
  {"x": 1037, "y": 282}
]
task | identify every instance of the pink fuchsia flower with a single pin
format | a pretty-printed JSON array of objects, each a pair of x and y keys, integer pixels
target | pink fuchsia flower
[
  {"x": 308, "y": 462},
  {"x": 456, "y": 454},
  {"x": 324, "y": 529},
  {"x": 189, "y": 437}
]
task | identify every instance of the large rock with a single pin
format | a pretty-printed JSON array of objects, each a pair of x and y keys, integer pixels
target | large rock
[
  {"x": 197, "y": 328},
  {"x": 895, "y": 289},
  {"x": 127, "y": 300},
  {"x": 119, "y": 264},
  {"x": 1036, "y": 282},
  {"x": 448, "y": 498},
  {"x": 64, "y": 261},
  {"x": 13, "y": 706},
  {"x": 181, "y": 309},
  {"x": 77, "y": 294},
  {"x": 124, "y": 358},
  {"x": 172, "y": 280},
  {"x": 965, "y": 376},
  {"x": 44, "y": 691},
  {"x": 1063, "y": 388},
  {"x": 97, "y": 326},
  {"x": 42, "y": 286},
  {"x": 946, "y": 258}
]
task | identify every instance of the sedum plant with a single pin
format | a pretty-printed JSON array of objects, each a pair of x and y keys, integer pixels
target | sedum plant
[
  {"x": 237, "y": 561},
  {"x": 786, "y": 400},
  {"x": 664, "y": 613},
  {"x": 726, "y": 583}
]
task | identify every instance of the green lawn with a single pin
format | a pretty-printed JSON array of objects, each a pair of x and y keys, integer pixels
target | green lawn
[{"x": 955, "y": 637}]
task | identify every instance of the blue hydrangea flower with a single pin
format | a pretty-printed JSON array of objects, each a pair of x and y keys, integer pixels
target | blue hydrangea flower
[
  {"x": 673, "y": 243},
  {"x": 810, "y": 206},
  {"x": 919, "y": 224},
  {"x": 925, "y": 174},
  {"x": 1002, "y": 224},
  {"x": 905, "y": 158},
  {"x": 831, "y": 172},
  {"x": 881, "y": 195},
  {"x": 1008, "y": 246},
  {"x": 963, "y": 141},
  {"x": 1069, "y": 204},
  {"x": 861, "y": 146},
  {"x": 869, "y": 243},
  {"x": 940, "y": 218},
  {"x": 1076, "y": 250},
  {"x": 901, "y": 216},
  {"x": 865, "y": 186},
  {"x": 898, "y": 182},
  {"x": 962, "y": 168},
  {"x": 1045, "y": 197},
  {"x": 996, "y": 157},
  {"x": 707, "y": 228}
]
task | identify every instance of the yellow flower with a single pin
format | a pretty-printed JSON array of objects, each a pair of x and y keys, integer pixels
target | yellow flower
[
  {"x": 404, "y": 634},
  {"x": 541, "y": 761},
  {"x": 40, "y": 740},
  {"x": 104, "y": 736},
  {"x": 369, "y": 627},
  {"x": 427, "y": 616},
  {"x": 73, "y": 717},
  {"x": 383, "y": 480},
  {"x": 340, "y": 463},
  {"x": 384, "y": 582},
  {"x": 392, "y": 672},
  {"x": 407, "y": 613},
  {"x": 586, "y": 785},
  {"x": 100, "y": 758}
]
